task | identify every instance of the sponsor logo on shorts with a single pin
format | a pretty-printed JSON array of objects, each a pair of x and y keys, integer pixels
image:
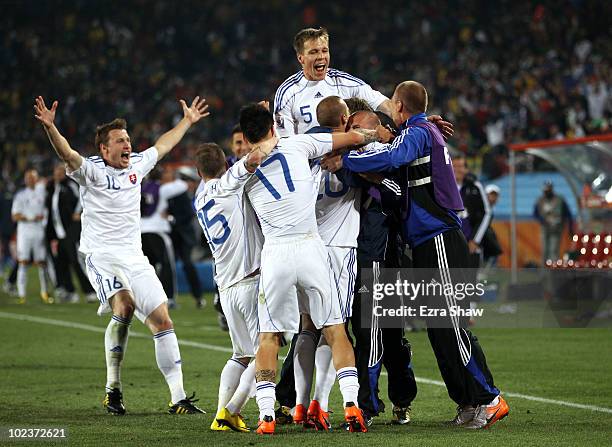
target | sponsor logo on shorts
[{"x": 262, "y": 298}]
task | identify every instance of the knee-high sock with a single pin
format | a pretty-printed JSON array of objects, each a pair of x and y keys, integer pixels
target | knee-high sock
[
  {"x": 303, "y": 366},
  {"x": 168, "y": 358},
  {"x": 349, "y": 385},
  {"x": 266, "y": 397},
  {"x": 229, "y": 381},
  {"x": 22, "y": 279},
  {"x": 42, "y": 278},
  {"x": 241, "y": 395},
  {"x": 325, "y": 374},
  {"x": 115, "y": 344}
]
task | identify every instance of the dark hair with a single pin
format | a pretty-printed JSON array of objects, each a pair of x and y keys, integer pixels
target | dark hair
[
  {"x": 308, "y": 34},
  {"x": 210, "y": 159},
  {"x": 386, "y": 120},
  {"x": 357, "y": 105},
  {"x": 255, "y": 121},
  {"x": 103, "y": 130},
  {"x": 236, "y": 129},
  {"x": 329, "y": 111}
]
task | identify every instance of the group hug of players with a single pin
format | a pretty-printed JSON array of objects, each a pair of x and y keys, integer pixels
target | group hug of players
[{"x": 298, "y": 228}]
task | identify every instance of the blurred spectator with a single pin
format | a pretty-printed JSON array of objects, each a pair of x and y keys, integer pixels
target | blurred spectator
[
  {"x": 180, "y": 208},
  {"x": 491, "y": 249},
  {"x": 239, "y": 145},
  {"x": 156, "y": 192},
  {"x": 553, "y": 213}
]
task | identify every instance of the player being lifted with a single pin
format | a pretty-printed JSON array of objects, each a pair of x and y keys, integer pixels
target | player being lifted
[
  {"x": 296, "y": 100},
  {"x": 235, "y": 240},
  {"x": 294, "y": 258},
  {"x": 124, "y": 280}
]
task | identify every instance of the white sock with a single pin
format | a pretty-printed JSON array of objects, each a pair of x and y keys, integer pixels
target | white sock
[
  {"x": 349, "y": 385},
  {"x": 22, "y": 279},
  {"x": 230, "y": 378},
  {"x": 241, "y": 396},
  {"x": 42, "y": 279},
  {"x": 115, "y": 344},
  {"x": 266, "y": 397},
  {"x": 303, "y": 365},
  {"x": 168, "y": 359},
  {"x": 325, "y": 374}
]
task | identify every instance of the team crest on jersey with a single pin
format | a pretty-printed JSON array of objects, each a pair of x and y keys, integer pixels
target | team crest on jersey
[{"x": 133, "y": 178}]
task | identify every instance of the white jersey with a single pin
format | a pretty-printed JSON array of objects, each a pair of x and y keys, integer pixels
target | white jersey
[
  {"x": 111, "y": 203},
  {"x": 284, "y": 191},
  {"x": 31, "y": 203},
  {"x": 296, "y": 100},
  {"x": 158, "y": 221},
  {"x": 337, "y": 210},
  {"x": 230, "y": 226}
]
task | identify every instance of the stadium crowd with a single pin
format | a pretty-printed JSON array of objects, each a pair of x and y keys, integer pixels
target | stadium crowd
[{"x": 503, "y": 72}]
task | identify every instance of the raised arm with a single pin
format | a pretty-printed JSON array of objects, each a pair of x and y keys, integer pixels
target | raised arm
[
  {"x": 192, "y": 115},
  {"x": 357, "y": 137},
  {"x": 46, "y": 116}
]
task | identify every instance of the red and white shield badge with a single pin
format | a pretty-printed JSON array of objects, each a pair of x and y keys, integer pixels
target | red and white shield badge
[{"x": 133, "y": 178}]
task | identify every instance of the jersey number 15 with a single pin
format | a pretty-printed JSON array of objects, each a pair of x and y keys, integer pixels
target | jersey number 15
[{"x": 208, "y": 222}]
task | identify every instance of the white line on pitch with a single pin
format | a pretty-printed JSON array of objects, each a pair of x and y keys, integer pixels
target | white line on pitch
[{"x": 195, "y": 344}]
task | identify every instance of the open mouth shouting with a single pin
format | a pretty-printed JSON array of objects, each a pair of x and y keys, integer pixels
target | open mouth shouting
[
  {"x": 125, "y": 156},
  {"x": 320, "y": 68}
]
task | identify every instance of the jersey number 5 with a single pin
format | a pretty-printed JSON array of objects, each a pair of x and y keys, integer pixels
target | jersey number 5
[
  {"x": 283, "y": 161},
  {"x": 307, "y": 115},
  {"x": 207, "y": 223}
]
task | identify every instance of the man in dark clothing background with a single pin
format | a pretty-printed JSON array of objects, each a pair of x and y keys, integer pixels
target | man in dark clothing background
[
  {"x": 62, "y": 233},
  {"x": 183, "y": 234},
  {"x": 476, "y": 215}
]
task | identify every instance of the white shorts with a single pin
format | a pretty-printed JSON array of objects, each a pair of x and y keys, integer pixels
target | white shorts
[
  {"x": 31, "y": 244},
  {"x": 109, "y": 273},
  {"x": 344, "y": 265},
  {"x": 239, "y": 303},
  {"x": 295, "y": 265}
]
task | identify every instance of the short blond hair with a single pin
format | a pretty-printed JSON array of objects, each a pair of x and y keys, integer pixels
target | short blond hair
[{"x": 308, "y": 34}]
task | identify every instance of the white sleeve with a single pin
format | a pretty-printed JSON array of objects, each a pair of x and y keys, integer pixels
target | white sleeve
[
  {"x": 284, "y": 123},
  {"x": 86, "y": 174},
  {"x": 373, "y": 97},
  {"x": 17, "y": 207},
  {"x": 314, "y": 145},
  {"x": 145, "y": 161},
  {"x": 172, "y": 189},
  {"x": 230, "y": 182}
]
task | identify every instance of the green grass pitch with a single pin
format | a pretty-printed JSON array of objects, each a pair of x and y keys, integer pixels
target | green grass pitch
[{"x": 53, "y": 376}]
